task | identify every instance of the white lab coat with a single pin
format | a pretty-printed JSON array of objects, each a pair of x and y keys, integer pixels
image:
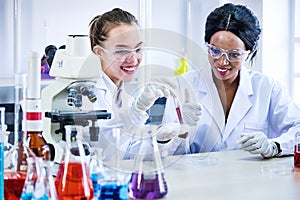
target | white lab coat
[
  {"x": 260, "y": 104},
  {"x": 104, "y": 90}
]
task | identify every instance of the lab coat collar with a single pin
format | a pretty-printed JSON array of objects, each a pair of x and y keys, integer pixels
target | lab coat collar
[
  {"x": 107, "y": 86},
  {"x": 241, "y": 103},
  {"x": 105, "y": 83},
  {"x": 211, "y": 102}
]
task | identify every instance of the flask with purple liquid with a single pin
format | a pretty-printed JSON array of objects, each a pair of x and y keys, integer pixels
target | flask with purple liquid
[{"x": 148, "y": 179}]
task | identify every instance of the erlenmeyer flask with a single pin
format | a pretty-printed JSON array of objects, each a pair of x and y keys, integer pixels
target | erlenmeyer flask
[
  {"x": 73, "y": 179},
  {"x": 31, "y": 177},
  {"x": 148, "y": 179},
  {"x": 96, "y": 168},
  {"x": 44, "y": 187}
]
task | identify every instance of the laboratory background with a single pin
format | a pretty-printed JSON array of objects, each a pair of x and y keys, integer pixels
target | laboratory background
[
  {"x": 31, "y": 25},
  {"x": 173, "y": 32}
]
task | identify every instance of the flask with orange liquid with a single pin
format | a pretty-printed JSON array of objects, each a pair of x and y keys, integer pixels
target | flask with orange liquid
[{"x": 73, "y": 179}]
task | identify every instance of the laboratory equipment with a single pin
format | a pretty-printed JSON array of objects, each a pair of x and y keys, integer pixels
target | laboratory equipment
[
  {"x": 3, "y": 129},
  {"x": 13, "y": 179},
  {"x": 73, "y": 178},
  {"x": 148, "y": 179},
  {"x": 297, "y": 150},
  {"x": 39, "y": 183},
  {"x": 70, "y": 96},
  {"x": 113, "y": 184},
  {"x": 31, "y": 177},
  {"x": 32, "y": 120},
  {"x": 96, "y": 168}
]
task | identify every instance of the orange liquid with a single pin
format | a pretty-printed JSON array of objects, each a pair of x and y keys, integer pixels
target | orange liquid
[
  {"x": 13, "y": 185},
  {"x": 73, "y": 183}
]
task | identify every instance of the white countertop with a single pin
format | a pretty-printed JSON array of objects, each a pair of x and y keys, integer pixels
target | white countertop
[{"x": 232, "y": 175}]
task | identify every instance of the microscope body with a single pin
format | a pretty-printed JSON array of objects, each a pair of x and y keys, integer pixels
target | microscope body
[{"x": 76, "y": 70}]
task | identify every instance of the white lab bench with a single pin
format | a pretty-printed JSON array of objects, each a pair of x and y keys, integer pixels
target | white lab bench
[{"x": 232, "y": 175}]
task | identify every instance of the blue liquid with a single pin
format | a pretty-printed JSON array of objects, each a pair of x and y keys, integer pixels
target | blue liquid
[
  {"x": 113, "y": 191},
  {"x": 1, "y": 170},
  {"x": 26, "y": 196},
  {"x": 29, "y": 196},
  {"x": 94, "y": 178}
]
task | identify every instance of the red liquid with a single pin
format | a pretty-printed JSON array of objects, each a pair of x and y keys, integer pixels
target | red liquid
[
  {"x": 13, "y": 185},
  {"x": 73, "y": 184},
  {"x": 142, "y": 188},
  {"x": 297, "y": 157}
]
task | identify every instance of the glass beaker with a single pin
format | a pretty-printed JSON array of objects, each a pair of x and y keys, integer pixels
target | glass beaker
[
  {"x": 73, "y": 179},
  {"x": 148, "y": 179}
]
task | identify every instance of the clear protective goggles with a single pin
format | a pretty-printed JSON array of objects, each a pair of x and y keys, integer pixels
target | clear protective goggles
[
  {"x": 236, "y": 55},
  {"x": 124, "y": 54}
]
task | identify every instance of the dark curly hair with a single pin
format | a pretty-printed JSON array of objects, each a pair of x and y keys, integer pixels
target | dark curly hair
[{"x": 237, "y": 19}]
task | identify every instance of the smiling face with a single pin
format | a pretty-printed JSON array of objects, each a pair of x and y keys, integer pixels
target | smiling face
[
  {"x": 122, "y": 37},
  {"x": 223, "y": 69}
]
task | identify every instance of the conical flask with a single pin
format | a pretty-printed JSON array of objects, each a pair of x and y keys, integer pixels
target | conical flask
[
  {"x": 73, "y": 179},
  {"x": 39, "y": 184},
  {"x": 31, "y": 177},
  {"x": 148, "y": 178}
]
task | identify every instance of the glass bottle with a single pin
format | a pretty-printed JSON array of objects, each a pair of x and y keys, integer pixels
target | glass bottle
[
  {"x": 148, "y": 180},
  {"x": 73, "y": 179}
]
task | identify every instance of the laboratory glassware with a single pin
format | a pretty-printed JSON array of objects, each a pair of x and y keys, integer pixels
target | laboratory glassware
[
  {"x": 39, "y": 184},
  {"x": 297, "y": 150},
  {"x": 113, "y": 183},
  {"x": 32, "y": 134},
  {"x": 148, "y": 179},
  {"x": 73, "y": 179},
  {"x": 96, "y": 168},
  {"x": 13, "y": 181},
  {"x": 2, "y": 110}
]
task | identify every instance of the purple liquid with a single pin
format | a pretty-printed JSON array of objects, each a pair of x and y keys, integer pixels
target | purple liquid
[{"x": 146, "y": 187}]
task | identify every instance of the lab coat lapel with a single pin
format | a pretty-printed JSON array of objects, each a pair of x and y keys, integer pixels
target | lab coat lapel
[
  {"x": 105, "y": 89},
  {"x": 241, "y": 103},
  {"x": 211, "y": 102}
]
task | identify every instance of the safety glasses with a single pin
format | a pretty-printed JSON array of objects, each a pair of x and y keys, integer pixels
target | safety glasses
[
  {"x": 124, "y": 54},
  {"x": 231, "y": 55}
]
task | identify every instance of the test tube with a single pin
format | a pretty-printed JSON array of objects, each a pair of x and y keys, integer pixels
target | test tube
[
  {"x": 3, "y": 129},
  {"x": 20, "y": 104}
]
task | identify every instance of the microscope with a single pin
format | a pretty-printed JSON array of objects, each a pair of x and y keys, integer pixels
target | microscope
[{"x": 69, "y": 98}]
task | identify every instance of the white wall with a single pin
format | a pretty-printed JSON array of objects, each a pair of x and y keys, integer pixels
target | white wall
[
  {"x": 276, "y": 37},
  {"x": 45, "y": 22}
]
